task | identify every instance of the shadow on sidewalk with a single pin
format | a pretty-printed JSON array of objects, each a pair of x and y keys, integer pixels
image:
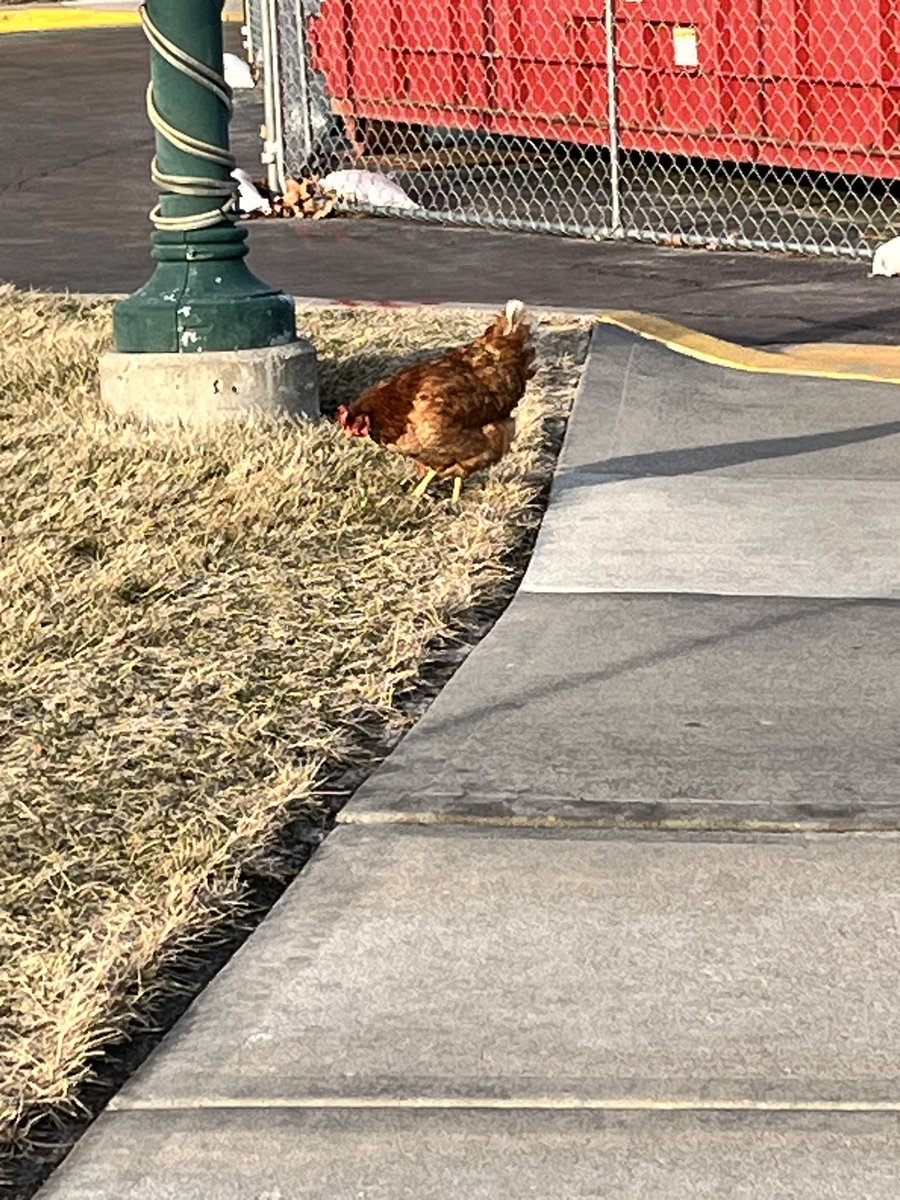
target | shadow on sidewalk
[{"x": 695, "y": 459}]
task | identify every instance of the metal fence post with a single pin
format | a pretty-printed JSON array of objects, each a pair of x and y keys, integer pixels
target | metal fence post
[
  {"x": 304, "y": 98},
  {"x": 202, "y": 295},
  {"x": 273, "y": 143},
  {"x": 253, "y": 27},
  {"x": 613, "y": 118}
]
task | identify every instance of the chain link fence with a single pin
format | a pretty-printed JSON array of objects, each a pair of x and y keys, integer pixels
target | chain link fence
[{"x": 750, "y": 124}]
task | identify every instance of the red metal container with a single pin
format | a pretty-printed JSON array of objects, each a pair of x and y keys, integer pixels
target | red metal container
[{"x": 795, "y": 83}]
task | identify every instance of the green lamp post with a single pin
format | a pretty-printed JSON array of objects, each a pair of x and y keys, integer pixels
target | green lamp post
[{"x": 202, "y": 296}]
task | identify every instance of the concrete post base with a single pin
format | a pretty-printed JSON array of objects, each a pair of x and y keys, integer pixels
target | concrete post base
[{"x": 214, "y": 385}]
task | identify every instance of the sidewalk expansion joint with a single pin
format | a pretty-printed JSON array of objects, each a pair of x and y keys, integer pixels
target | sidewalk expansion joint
[
  {"x": 836, "y": 825},
  {"x": 516, "y": 1103}
]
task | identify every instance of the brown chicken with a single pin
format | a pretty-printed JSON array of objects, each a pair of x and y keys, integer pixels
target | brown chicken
[{"x": 453, "y": 414}]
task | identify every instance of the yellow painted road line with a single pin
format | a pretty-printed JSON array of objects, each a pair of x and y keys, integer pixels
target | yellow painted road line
[
  {"x": 46, "y": 20},
  {"x": 872, "y": 364}
]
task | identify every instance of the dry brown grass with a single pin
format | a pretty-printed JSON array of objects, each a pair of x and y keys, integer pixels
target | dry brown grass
[{"x": 195, "y": 630}]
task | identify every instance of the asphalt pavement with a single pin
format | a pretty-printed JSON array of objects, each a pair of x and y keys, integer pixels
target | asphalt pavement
[{"x": 74, "y": 196}]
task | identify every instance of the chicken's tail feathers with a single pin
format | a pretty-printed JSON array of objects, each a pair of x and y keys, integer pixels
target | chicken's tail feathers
[{"x": 516, "y": 314}]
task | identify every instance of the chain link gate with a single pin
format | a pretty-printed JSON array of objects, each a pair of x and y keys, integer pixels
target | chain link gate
[{"x": 739, "y": 124}]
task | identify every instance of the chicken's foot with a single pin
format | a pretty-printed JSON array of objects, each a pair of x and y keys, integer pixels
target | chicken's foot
[
  {"x": 422, "y": 486},
  {"x": 457, "y": 488}
]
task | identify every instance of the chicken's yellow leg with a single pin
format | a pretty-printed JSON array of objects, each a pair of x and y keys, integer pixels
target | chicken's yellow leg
[
  {"x": 422, "y": 486},
  {"x": 457, "y": 488}
]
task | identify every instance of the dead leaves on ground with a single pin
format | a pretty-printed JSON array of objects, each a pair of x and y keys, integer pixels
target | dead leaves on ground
[{"x": 301, "y": 198}]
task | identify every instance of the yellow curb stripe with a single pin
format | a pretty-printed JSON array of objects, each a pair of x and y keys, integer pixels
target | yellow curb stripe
[
  {"x": 849, "y": 356},
  {"x": 46, "y": 20},
  {"x": 513, "y": 1104},
  {"x": 870, "y": 364}
]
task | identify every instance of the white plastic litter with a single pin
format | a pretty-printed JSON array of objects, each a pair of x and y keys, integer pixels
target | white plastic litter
[
  {"x": 237, "y": 72},
  {"x": 887, "y": 258},
  {"x": 367, "y": 187},
  {"x": 250, "y": 199}
]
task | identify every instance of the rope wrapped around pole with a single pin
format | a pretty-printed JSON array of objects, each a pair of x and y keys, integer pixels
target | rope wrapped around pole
[{"x": 189, "y": 185}]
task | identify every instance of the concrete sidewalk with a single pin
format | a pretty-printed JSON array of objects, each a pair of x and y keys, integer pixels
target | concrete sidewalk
[{"x": 619, "y": 917}]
